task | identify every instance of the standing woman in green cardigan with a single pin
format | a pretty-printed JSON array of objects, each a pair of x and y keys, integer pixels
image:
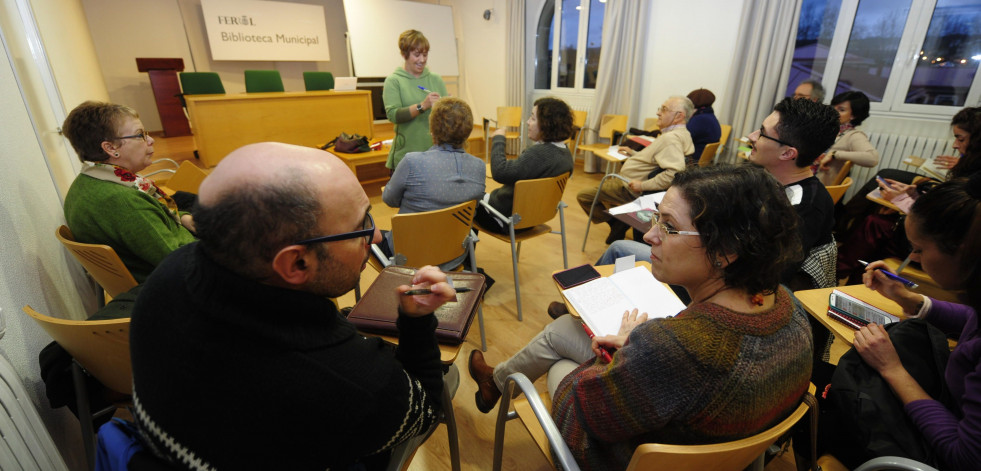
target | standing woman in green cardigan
[
  {"x": 409, "y": 93},
  {"x": 109, "y": 203}
]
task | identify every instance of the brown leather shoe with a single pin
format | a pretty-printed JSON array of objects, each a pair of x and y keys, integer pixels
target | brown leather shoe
[
  {"x": 487, "y": 393},
  {"x": 557, "y": 309}
]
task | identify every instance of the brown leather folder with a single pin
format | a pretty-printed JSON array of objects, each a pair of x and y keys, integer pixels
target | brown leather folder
[{"x": 377, "y": 310}]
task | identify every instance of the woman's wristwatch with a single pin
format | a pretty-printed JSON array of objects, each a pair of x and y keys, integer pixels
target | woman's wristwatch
[{"x": 419, "y": 107}]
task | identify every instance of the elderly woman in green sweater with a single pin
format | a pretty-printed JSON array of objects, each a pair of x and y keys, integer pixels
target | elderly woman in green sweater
[
  {"x": 735, "y": 362},
  {"x": 109, "y": 203}
]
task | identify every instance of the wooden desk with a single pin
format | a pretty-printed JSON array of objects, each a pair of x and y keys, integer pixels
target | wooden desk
[
  {"x": 631, "y": 220},
  {"x": 611, "y": 161},
  {"x": 815, "y": 302},
  {"x": 883, "y": 202},
  {"x": 223, "y": 123},
  {"x": 354, "y": 161}
]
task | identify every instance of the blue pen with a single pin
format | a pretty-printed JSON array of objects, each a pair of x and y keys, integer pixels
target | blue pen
[
  {"x": 424, "y": 89},
  {"x": 904, "y": 281}
]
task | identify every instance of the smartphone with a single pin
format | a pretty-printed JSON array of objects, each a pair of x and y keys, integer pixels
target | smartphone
[
  {"x": 576, "y": 276},
  {"x": 883, "y": 182}
]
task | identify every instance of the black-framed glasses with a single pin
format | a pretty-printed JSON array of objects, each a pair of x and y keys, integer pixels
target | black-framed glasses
[
  {"x": 663, "y": 228},
  {"x": 367, "y": 231},
  {"x": 778, "y": 141},
  {"x": 142, "y": 135}
]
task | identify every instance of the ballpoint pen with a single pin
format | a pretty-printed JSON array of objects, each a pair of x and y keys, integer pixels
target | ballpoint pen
[
  {"x": 424, "y": 89},
  {"x": 904, "y": 281},
  {"x": 421, "y": 291}
]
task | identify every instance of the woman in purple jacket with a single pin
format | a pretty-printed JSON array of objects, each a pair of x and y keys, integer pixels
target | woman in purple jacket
[{"x": 944, "y": 228}]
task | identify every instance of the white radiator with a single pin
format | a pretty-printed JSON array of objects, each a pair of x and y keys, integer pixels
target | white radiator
[
  {"x": 893, "y": 148},
  {"x": 24, "y": 441}
]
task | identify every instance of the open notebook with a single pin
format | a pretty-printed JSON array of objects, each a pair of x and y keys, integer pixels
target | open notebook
[{"x": 602, "y": 302}]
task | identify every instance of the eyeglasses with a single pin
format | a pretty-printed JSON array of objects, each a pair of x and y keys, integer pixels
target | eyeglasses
[
  {"x": 665, "y": 109},
  {"x": 664, "y": 230},
  {"x": 142, "y": 135},
  {"x": 801, "y": 95},
  {"x": 367, "y": 231},
  {"x": 778, "y": 141}
]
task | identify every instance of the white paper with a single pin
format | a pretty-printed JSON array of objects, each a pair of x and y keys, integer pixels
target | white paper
[
  {"x": 614, "y": 151},
  {"x": 624, "y": 263},
  {"x": 651, "y": 201},
  {"x": 602, "y": 302}
]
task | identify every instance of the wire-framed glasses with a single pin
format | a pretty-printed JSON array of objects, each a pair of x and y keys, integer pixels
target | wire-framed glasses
[
  {"x": 142, "y": 135},
  {"x": 664, "y": 230}
]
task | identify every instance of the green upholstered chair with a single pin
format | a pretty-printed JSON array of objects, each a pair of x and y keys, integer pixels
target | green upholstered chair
[
  {"x": 318, "y": 80},
  {"x": 201, "y": 83},
  {"x": 263, "y": 81}
]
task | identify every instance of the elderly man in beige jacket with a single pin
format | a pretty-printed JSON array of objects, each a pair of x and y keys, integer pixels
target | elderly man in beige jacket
[{"x": 651, "y": 169}]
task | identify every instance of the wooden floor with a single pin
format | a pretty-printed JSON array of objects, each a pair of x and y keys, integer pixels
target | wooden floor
[{"x": 505, "y": 334}]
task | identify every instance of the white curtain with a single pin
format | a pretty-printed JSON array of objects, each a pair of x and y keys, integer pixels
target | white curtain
[
  {"x": 621, "y": 64},
  {"x": 514, "y": 47},
  {"x": 760, "y": 66}
]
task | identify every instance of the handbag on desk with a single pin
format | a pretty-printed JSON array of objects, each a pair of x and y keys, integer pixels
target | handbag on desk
[
  {"x": 377, "y": 310},
  {"x": 349, "y": 144}
]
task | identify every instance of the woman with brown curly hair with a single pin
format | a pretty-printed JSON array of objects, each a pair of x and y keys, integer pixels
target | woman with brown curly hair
[
  {"x": 549, "y": 125},
  {"x": 736, "y": 361},
  {"x": 109, "y": 203}
]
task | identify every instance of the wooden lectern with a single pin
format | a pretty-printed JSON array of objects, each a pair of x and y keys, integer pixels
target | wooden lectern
[{"x": 166, "y": 88}]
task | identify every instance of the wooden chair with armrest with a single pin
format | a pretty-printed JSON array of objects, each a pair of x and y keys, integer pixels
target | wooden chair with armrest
[
  {"x": 101, "y": 261},
  {"x": 882, "y": 463},
  {"x": 651, "y": 124},
  {"x": 100, "y": 348},
  {"x": 187, "y": 178},
  {"x": 843, "y": 173},
  {"x": 535, "y": 415},
  {"x": 837, "y": 191},
  {"x": 724, "y": 138},
  {"x": 447, "y": 237},
  {"x": 609, "y": 123},
  {"x": 579, "y": 127},
  {"x": 708, "y": 154},
  {"x": 508, "y": 117},
  {"x": 535, "y": 203},
  {"x": 592, "y": 207}
]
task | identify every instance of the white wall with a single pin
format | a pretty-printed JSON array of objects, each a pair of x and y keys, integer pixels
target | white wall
[
  {"x": 36, "y": 269},
  {"x": 125, "y": 29},
  {"x": 480, "y": 44},
  {"x": 690, "y": 46}
]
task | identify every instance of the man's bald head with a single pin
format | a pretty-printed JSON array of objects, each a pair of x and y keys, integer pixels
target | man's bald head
[
  {"x": 263, "y": 197},
  {"x": 271, "y": 164}
]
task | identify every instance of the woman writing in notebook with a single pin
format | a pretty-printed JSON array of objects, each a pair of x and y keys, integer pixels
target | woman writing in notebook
[
  {"x": 943, "y": 227},
  {"x": 736, "y": 361}
]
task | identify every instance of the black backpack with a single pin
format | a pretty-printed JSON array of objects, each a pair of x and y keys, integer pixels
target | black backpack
[{"x": 862, "y": 418}]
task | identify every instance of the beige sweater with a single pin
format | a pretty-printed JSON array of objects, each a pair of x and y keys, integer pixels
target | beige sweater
[
  {"x": 852, "y": 146},
  {"x": 667, "y": 152}
]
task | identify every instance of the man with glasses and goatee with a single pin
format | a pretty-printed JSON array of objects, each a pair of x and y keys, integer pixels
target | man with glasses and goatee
[{"x": 241, "y": 360}]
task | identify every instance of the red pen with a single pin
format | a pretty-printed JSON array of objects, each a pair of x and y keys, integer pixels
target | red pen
[{"x": 603, "y": 353}]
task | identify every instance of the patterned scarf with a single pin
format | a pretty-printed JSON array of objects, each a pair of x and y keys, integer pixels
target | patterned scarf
[
  {"x": 124, "y": 177},
  {"x": 844, "y": 128}
]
